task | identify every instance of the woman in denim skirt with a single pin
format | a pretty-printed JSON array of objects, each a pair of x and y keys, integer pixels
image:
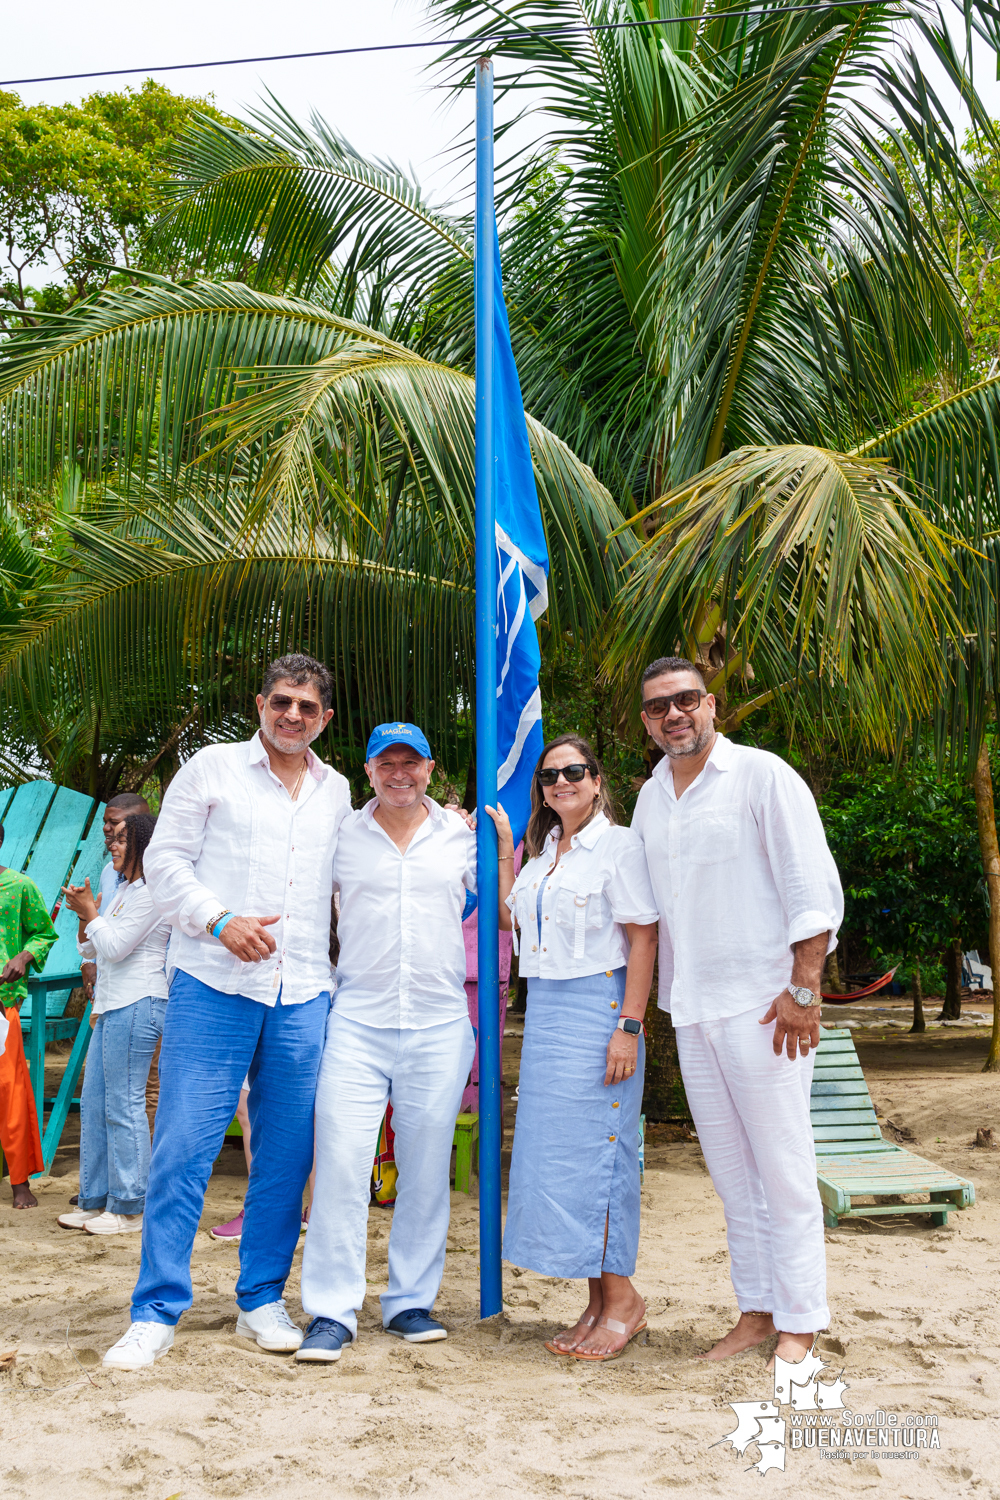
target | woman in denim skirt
[
  {"x": 129, "y": 944},
  {"x": 585, "y": 924}
]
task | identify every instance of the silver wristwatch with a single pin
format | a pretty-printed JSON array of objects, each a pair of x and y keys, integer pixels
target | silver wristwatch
[{"x": 803, "y": 996}]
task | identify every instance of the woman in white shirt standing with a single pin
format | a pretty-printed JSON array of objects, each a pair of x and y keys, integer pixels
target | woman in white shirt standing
[
  {"x": 129, "y": 943},
  {"x": 586, "y": 918}
]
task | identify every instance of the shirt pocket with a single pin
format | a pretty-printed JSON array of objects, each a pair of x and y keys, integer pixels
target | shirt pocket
[
  {"x": 579, "y": 911},
  {"x": 714, "y": 837}
]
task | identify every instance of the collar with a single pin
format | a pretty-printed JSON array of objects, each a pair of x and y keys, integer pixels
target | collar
[
  {"x": 436, "y": 811},
  {"x": 587, "y": 837},
  {"x": 257, "y": 755},
  {"x": 721, "y": 758}
]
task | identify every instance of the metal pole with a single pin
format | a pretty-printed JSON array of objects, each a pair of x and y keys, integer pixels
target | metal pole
[{"x": 490, "y": 1282}]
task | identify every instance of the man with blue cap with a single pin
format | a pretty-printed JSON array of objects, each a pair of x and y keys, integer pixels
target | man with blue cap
[{"x": 399, "y": 1032}]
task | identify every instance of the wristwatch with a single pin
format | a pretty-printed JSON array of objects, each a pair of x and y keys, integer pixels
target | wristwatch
[
  {"x": 803, "y": 996},
  {"x": 627, "y": 1023}
]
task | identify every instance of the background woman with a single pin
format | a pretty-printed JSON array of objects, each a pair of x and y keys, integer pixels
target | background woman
[
  {"x": 587, "y": 923},
  {"x": 129, "y": 943}
]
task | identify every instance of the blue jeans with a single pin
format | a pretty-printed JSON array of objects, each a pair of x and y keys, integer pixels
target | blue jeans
[
  {"x": 211, "y": 1041},
  {"x": 114, "y": 1131}
]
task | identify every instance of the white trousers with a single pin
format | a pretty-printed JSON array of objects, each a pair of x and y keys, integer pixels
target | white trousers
[
  {"x": 751, "y": 1112},
  {"x": 423, "y": 1074}
]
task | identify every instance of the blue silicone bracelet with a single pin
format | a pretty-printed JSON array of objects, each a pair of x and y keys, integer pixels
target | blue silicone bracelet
[{"x": 216, "y": 930}]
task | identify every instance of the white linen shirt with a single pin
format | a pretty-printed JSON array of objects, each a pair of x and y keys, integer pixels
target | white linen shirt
[
  {"x": 741, "y": 870},
  {"x": 599, "y": 884},
  {"x": 402, "y": 954},
  {"x": 128, "y": 939},
  {"x": 229, "y": 835}
]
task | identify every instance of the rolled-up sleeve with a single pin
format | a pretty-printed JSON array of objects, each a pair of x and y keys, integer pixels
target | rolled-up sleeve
[
  {"x": 169, "y": 862},
  {"x": 630, "y": 891},
  {"x": 803, "y": 868}
]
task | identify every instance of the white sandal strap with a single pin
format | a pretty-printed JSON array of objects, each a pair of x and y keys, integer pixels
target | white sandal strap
[{"x": 614, "y": 1325}]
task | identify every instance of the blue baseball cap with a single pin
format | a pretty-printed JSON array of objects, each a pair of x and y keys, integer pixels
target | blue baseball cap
[{"x": 384, "y": 735}]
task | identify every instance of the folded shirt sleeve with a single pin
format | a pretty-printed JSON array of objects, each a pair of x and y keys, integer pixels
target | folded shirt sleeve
[
  {"x": 629, "y": 890},
  {"x": 802, "y": 866}
]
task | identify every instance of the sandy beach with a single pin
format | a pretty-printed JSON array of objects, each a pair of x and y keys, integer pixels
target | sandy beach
[{"x": 915, "y": 1330}]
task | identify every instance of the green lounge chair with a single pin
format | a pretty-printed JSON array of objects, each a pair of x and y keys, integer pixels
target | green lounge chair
[
  {"x": 852, "y": 1158},
  {"x": 52, "y": 833}
]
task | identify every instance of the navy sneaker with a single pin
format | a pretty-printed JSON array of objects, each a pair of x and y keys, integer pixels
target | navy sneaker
[
  {"x": 324, "y": 1340},
  {"x": 416, "y": 1326}
]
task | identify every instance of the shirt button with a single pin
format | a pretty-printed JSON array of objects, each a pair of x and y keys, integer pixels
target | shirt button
[
  {"x": 546, "y": 919},
  {"x": 534, "y": 947},
  {"x": 545, "y": 950}
]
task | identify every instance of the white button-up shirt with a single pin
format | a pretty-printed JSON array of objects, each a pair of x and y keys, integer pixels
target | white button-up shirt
[
  {"x": 229, "y": 835},
  {"x": 741, "y": 871},
  {"x": 129, "y": 941},
  {"x": 402, "y": 955},
  {"x": 599, "y": 884}
]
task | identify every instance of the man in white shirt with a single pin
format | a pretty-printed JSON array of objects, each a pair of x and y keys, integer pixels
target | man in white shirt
[
  {"x": 400, "y": 1032},
  {"x": 241, "y": 864},
  {"x": 749, "y": 901}
]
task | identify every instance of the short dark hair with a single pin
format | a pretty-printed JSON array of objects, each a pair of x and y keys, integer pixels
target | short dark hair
[
  {"x": 138, "y": 832},
  {"x": 664, "y": 664},
  {"x": 128, "y": 803},
  {"x": 299, "y": 670}
]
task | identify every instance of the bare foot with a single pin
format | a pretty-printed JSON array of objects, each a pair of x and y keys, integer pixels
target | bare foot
[
  {"x": 792, "y": 1348},
  {"x": 751, "y": 1330},
  {"x": 23, "y": 1196},
  {"x": 616, "y": 1326},
  {"x": 569, "y": 1339}
]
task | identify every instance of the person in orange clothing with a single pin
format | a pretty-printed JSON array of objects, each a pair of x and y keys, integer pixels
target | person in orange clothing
[{"x": 26, "y": 937}]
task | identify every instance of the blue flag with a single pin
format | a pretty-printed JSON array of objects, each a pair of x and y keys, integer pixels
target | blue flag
[{"x": 522, "y": 578}]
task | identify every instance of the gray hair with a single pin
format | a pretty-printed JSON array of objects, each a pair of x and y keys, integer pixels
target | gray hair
[{"x": 298, "y": 670}]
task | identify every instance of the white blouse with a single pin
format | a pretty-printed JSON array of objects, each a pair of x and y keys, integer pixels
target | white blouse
[
  {"x": 129, "y": 942},
  {"x": 599, "y": 884}
]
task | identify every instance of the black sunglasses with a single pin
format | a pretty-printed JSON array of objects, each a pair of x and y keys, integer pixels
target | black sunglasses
[
  {"x": 307, "y": 707},
  {"x": 687, "y": 701},
  {"x": 549, "y": 777}
]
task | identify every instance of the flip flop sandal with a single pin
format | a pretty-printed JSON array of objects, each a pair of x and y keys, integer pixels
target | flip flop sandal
[
  {"x": 554, "y": 1348},
  {"x": 615, "y": 1327}
]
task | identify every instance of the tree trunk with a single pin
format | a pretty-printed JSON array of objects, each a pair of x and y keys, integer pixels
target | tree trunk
[
  {"x": 919, "y": 1024},
  {"x": 833, "y": 978},
  {"x": 982, "y": 784},
  {"x": 952, "y": 1008}
]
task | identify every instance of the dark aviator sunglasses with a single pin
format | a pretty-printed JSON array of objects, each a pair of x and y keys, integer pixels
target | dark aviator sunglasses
[
  {"x": 687, "y": 701},
  {"x": 551, "y": 775}
]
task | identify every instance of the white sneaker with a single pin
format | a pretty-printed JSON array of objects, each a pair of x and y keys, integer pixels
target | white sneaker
[
  {"x": 113, "y": 1223},
  {"x": 138, "y": 1348},
  {"x": 272, "y": 1328},
  {"x": 76, "y": 1218}
]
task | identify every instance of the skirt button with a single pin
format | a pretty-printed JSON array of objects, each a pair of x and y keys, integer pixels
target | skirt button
[
  {"x": 614, "y": 1005},
  {"x": 612, "y": 1137}
]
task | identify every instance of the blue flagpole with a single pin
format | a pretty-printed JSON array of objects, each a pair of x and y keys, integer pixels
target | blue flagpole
[{"x": 490, "y": 1282}]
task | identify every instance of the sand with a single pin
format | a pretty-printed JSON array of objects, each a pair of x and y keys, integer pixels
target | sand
[{"x": 916, "y": 1327}]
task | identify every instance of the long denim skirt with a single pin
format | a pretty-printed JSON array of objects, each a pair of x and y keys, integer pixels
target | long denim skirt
[{"x": 575, "y": 1162}]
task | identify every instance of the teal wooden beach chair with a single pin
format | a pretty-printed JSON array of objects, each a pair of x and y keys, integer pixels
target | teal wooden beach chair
[
  {"x": 854, "y": 1162},
  {"x": 52, "y": 833}
]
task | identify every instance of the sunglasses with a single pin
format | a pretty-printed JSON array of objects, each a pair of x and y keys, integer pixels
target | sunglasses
[
  {"x": 307, "y": 707},
  {"x": 687, "y": 701},
  {"x": 549, "y": 777}
]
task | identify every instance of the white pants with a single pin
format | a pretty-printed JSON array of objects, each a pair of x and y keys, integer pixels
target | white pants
[
  {"x": 751, "y": 1112},
  {"x": 423, "y": 1074}
]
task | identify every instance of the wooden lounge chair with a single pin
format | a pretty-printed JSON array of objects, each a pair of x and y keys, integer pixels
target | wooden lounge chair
[
  {"x": 52, "y": 833},
  {"x": 854, "y": 1161}
]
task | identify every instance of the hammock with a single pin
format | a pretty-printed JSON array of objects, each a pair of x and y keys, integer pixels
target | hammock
[{"x": 869, "y": 989}]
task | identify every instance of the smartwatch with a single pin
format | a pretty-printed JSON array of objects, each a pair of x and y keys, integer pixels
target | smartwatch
[{"x": 627, "y": 1023}]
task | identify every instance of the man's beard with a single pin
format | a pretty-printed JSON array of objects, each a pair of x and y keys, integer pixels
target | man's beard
[
  {"x": 678, "y": 752},
  {"x": 303, "y": 741}
]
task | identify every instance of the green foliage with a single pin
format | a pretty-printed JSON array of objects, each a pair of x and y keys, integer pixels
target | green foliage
[
  {"x": 79, "y": 183},
  {"x": 906, "y": 845}
]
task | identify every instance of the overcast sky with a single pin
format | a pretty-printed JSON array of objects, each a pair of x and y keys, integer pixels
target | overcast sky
[{"x": 383, "y": 103}]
